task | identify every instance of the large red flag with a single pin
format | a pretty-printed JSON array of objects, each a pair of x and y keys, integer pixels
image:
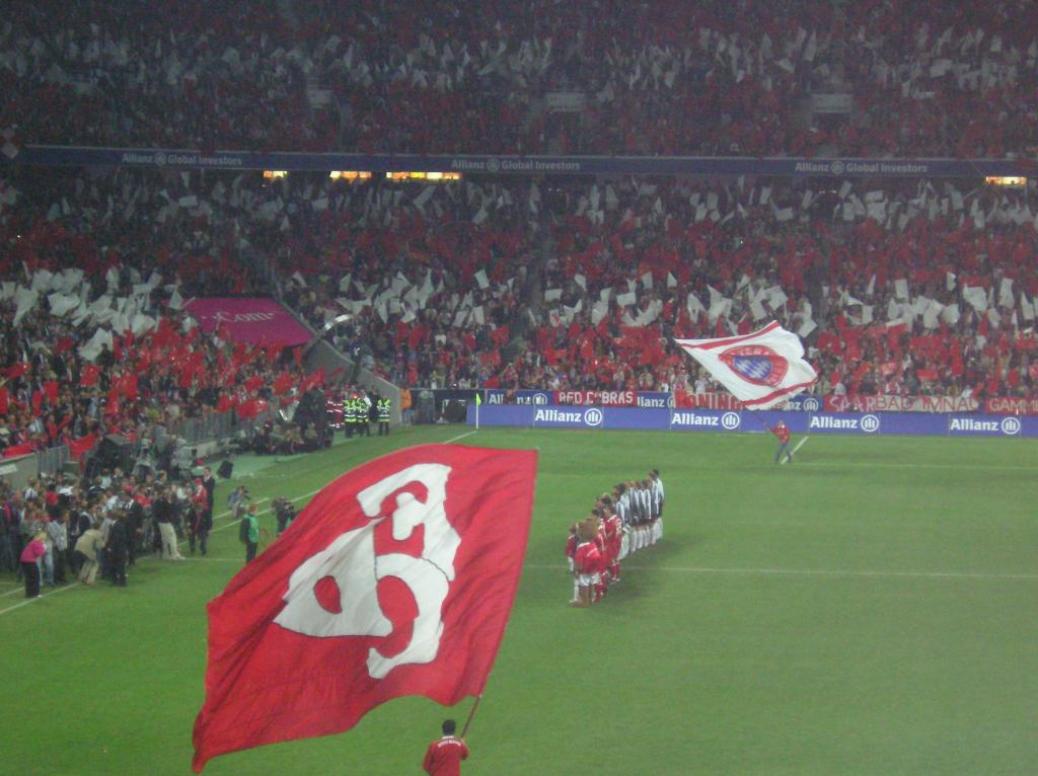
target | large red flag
[{"x": 397, "y": 579}]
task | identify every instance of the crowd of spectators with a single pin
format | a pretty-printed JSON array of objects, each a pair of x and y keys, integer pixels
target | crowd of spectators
[
  {"x": 898, "y": 288},
  {"x": 96, "y": 271},
  {"x": 911, "y": 288},
  {"x": 669, "y": 77},
  {"x": 91, "y": 528}
]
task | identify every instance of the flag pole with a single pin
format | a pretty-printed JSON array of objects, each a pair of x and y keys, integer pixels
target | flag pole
[
  {"x": 472, "y": 713},
  {"x": 759, "y": 420}
]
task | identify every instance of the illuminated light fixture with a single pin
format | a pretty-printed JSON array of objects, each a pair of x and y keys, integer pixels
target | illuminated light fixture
[
  {"x": 270, "y": 175},
  {"x": 1009, "y": 181},
  {"x": 439, "y": 177},
  {"x": 350, "y": 175}
]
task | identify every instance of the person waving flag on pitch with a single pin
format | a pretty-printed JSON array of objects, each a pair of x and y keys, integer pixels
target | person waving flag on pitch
[
  {"x": 781, "y": 432},
  {"x": 396, "y": 579},
  {"x": 761, "y": 370}
]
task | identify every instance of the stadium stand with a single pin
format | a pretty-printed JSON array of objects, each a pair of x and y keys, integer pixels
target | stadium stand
[
  {"x": 910, "y": 289},
  {"x": 756, "y": 78},
  {"x": 471, "y": 284}
]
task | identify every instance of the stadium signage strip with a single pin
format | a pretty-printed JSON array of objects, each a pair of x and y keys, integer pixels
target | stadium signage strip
[
  {"x": 83, "y": 156},
  {"x": 658, "y": 399},
  {"x": 725, "y": 401},
  {"x": 657, "y": 419}
]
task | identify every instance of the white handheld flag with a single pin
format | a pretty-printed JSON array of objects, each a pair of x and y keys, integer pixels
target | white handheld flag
[{"x": 761, "y": 369}]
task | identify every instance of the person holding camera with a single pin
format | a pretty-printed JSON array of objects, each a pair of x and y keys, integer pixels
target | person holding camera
[{"x": 284, "y": 512}]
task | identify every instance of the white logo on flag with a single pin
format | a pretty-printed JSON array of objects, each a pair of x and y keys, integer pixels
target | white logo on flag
[{"x": 351, "y": 562}]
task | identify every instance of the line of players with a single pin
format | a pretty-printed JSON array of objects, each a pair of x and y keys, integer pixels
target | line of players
[{"x": 622, "y": 522}]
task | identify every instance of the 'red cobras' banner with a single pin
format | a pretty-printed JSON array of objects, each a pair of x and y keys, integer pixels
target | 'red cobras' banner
[{"x": 396, "y": 579}]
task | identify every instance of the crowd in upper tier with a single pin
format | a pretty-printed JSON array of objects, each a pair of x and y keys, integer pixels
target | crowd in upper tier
[
  {"x": 912, "y": 287},
  {"x": 756, "y": 77}
]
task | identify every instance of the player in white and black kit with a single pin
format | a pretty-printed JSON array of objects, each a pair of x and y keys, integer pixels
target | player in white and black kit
[
  {"x": 658, "y": 498},
  {"x": 641, "y": 490}
]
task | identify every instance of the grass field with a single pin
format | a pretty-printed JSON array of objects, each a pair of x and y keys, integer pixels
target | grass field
[{"x": 869, "y": 609}]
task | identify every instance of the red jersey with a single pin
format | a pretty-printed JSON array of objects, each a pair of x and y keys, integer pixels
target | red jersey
[
  {"x": 614, "y": 535},
  {"x": 587, "y": 558},
  {"x": 571, "y": 546},
  {"x": 444, "y": 756},
  {"x": 782, "y": 432}
]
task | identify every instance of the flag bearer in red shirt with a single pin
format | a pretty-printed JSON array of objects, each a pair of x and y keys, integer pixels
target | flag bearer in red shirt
[
  {"x": 444, "y": 755},
  {"x": 781, "y": 431}
]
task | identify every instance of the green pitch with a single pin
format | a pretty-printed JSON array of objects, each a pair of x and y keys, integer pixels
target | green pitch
[{"x": 869, "y": 609}]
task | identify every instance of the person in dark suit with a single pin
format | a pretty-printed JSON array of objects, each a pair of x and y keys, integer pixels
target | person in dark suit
[
  {"x": 117, "y": 549},
  {"x": 209, "y": 483}
]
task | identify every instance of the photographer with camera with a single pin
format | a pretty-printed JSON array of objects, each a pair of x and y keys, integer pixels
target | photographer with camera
[{"x": 285, "y": 512}]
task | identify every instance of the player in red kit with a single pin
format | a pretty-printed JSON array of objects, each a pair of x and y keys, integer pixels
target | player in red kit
[
  {"x": 602, "y": 544},
  {"x": 587, "y": 561},
  {"x": 444, "y": 755},
  {"x": 571, "y": 551},
  {"x": 612, "y": 532},
  {"x": 781, "y": 431}
]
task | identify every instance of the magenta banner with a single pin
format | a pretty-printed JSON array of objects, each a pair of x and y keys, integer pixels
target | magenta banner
[{"x": 253, "y": 320}]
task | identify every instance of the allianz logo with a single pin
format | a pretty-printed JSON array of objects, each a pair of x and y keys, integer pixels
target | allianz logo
[
  {"x": 867, "y": 423},
  {"x": 728, "y": 421},
  {"x": 654, "y": 401},
  {"x": 589, "y": 417},
  {"x": 1009, "y": 425}
]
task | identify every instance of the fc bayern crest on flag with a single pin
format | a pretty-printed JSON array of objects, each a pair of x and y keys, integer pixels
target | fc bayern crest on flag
[
  {"x": 759, "y": 364},
  {"x": 761, "y": 369}
]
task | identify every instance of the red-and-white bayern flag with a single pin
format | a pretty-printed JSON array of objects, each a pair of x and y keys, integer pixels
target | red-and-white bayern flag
[
  {"x": 396, "y": 579},
  {"x": 761, "y": 369}
]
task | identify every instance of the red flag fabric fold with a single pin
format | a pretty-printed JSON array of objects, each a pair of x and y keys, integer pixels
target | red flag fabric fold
[
  {"x": 84, "y": 444},
  {"x": 396, "y": 579},
  {"x": 89, "y": 376}
]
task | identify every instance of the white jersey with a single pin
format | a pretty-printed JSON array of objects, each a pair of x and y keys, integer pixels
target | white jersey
[
  {"x": 657, "y": 494},
  {"x": 623, "y": 509}
]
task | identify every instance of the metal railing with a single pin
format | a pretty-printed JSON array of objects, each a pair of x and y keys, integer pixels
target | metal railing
[
  {"x": 52, "y": 460},
  {"x": 217, "y": 425}
]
